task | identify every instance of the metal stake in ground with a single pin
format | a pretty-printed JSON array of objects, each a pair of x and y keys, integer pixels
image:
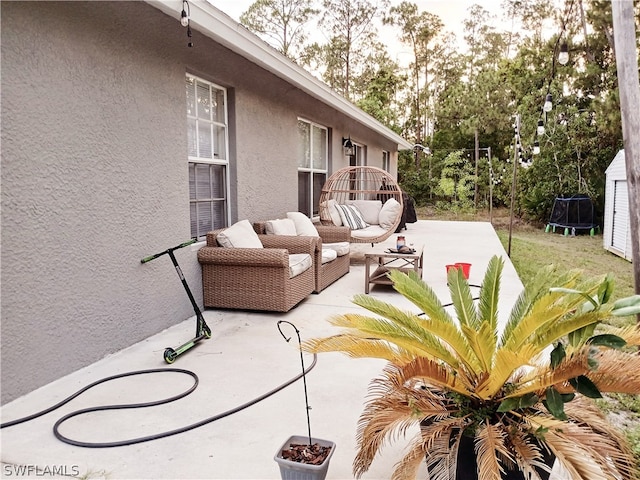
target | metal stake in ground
[{"x": 304, "y": 377}]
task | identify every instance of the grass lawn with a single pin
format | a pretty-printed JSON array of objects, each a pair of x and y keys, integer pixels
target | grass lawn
[{"x": 531, "y": 249}]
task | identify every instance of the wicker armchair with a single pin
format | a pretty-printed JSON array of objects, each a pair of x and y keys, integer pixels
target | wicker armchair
[
  {"x": 325, "y": 273},
  {"x": 255, "y": 278}
]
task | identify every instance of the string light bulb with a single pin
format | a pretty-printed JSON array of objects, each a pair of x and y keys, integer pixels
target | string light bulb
[
  {"x": 540, "y": 129},
  {"x": 184, "y": 17},
  {"x": 548, "y": 103},
  {"x": 563, "y": 56},
  {"x": 536, "y": 147}
]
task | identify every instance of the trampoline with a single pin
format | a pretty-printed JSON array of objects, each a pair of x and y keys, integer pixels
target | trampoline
[{"x": 573, "y": 214}]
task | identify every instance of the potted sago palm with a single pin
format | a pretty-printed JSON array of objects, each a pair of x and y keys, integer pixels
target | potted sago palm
[{"x": 507, "y": 401}]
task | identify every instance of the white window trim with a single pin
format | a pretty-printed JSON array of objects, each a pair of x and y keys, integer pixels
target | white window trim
[
  {"x": 225, "y": 161},
  {"x": 311, "y": 169}
]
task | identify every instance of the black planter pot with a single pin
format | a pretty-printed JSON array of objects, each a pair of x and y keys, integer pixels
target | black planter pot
[{"x": 467, "y": 467}]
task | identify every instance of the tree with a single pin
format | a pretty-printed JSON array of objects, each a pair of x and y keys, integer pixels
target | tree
[
  {"x": 351, "y": 32},
  {"x": 420, "y": 32},
  {"x": 281, "y": 23}
]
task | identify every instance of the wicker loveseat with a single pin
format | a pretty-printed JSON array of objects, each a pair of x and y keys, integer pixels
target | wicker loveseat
[
  {"x": 255, "y": 278},
  {"x": 326, "y": 272}
]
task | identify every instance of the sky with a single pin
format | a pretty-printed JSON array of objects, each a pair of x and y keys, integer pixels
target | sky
[{"x": 451, "y": 12}]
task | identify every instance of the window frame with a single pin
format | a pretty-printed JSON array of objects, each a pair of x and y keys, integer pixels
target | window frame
[
  {"x": 194, "y": 160},
  {"x": 312, "y": 170}
]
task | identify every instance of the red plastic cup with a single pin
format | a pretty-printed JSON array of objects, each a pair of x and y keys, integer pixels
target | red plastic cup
[
  {"x": 449, "y": 267},
  {"x": 466, "y": 268}
]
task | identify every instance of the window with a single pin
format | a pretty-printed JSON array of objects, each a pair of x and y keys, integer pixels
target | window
[
  {"x": 208, "y": 156},
  {"x": 358, "y": 157},
  {"x": 386, "y": 160},
  {"x": 312, "y": 165}
]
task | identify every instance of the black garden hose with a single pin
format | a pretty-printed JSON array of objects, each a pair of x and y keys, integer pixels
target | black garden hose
[{"x": 156, "y": 436}]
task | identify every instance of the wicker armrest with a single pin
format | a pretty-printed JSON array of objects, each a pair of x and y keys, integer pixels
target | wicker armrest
[
  {"x": 333, "y": 234},
  {"x": 293, "y": 244},
  {"x": 268, "y": 257}
]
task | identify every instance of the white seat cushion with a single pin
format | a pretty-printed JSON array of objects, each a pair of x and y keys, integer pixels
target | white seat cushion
[
  {"x": 239, "y": 235},
  {"x": 298, "y": 263},
  {"x": 328, "y": 255},
  {"x": 283, "y": 226},
  {"x": 351, "y": 217},
  {"x": 391, "y": 211},
  {"x": 369, "y": 232},
  {"x": 304, "y": 225},
  {"x": 341, "y": 248}
]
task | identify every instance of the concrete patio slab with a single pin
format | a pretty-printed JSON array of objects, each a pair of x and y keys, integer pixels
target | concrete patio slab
[{"x": 245, "y": 358}]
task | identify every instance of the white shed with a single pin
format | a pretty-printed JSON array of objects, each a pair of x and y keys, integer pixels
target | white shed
[{"x": 616, "y": 233}]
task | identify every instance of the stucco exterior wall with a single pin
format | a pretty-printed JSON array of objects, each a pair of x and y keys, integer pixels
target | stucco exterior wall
[{"x": 95, "y": 177}]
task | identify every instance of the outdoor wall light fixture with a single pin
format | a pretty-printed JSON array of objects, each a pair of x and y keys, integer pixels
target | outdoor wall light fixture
[
  {"x": 185, "y": 20},
  {"x": 348, "y": 146},
  {"x": 425, "y": 150},
  {"x": 540, "y": 127},
  {"x": 548, "y": 103}
]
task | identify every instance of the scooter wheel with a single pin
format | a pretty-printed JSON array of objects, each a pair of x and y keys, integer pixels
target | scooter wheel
[
  {"x": 170, "y": 355},
  {"x": 207, "y": 332}
]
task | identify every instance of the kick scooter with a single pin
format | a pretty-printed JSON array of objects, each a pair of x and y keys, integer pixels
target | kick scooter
[{"x": 202, "y": 330}]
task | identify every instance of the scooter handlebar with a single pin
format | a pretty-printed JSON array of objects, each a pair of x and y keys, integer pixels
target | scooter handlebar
[{"x": 182, "y": 245}]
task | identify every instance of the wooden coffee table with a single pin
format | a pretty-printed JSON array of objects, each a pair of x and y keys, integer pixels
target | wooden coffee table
[{"x": 385, "y": 261}]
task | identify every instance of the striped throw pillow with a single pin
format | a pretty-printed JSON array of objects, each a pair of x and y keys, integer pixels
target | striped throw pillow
[{"x": 351, "y": 217}]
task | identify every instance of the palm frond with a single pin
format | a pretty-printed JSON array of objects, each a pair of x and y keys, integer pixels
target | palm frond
[
  {"x": 433, "y": 373},
  {"x": 442, "y": 443},
  {"x": 617, "y": 371},
  {"x": 483, "y": 343},
  {"x": 546, "y": 277},
  {"x": 411, "y": 286},
  {"x": 395, "y": 405},
  {"x": 590, "y": 450},
  {"x": 528, "y": 455},
  {"x": 413, "y": 324},
  {"x": 542, "y": 317},
  {"x": 563, "y": 327},
  {"x": 421, "y": 343},
  {"x": 541, "y": 377},
  {"x": 604, "y": 438},
  {"x": 631, "y": 333},
  {"x": 490, "y": 293},
  {"x": 506, "y": 363},
  {"x": 462, "y": 299},
  {"x": 408, "y": 466},
  {"x": 355, "y": 347},
  {"x": 490, "y": 446}
]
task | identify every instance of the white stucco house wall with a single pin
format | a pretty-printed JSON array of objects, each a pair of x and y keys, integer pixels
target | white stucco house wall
[
  {"x": 120, "y": 141},
  {"x": 616, "y": 233}
]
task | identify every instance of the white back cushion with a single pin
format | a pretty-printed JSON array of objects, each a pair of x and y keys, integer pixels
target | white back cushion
[
  {"x": 304, "y": 225},
  {"x": 390, "y": 212},
  {"x": 239, "y": 235},
  {"x": 369, "y": 209},
  {"x": 282, "y": 226}
]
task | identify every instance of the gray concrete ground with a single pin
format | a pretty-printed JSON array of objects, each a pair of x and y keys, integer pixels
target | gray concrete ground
[{"x": 245, "y": 358}]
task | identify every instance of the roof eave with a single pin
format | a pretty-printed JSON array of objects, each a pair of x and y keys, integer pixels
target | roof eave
[{"x": 217, "y": 25}]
